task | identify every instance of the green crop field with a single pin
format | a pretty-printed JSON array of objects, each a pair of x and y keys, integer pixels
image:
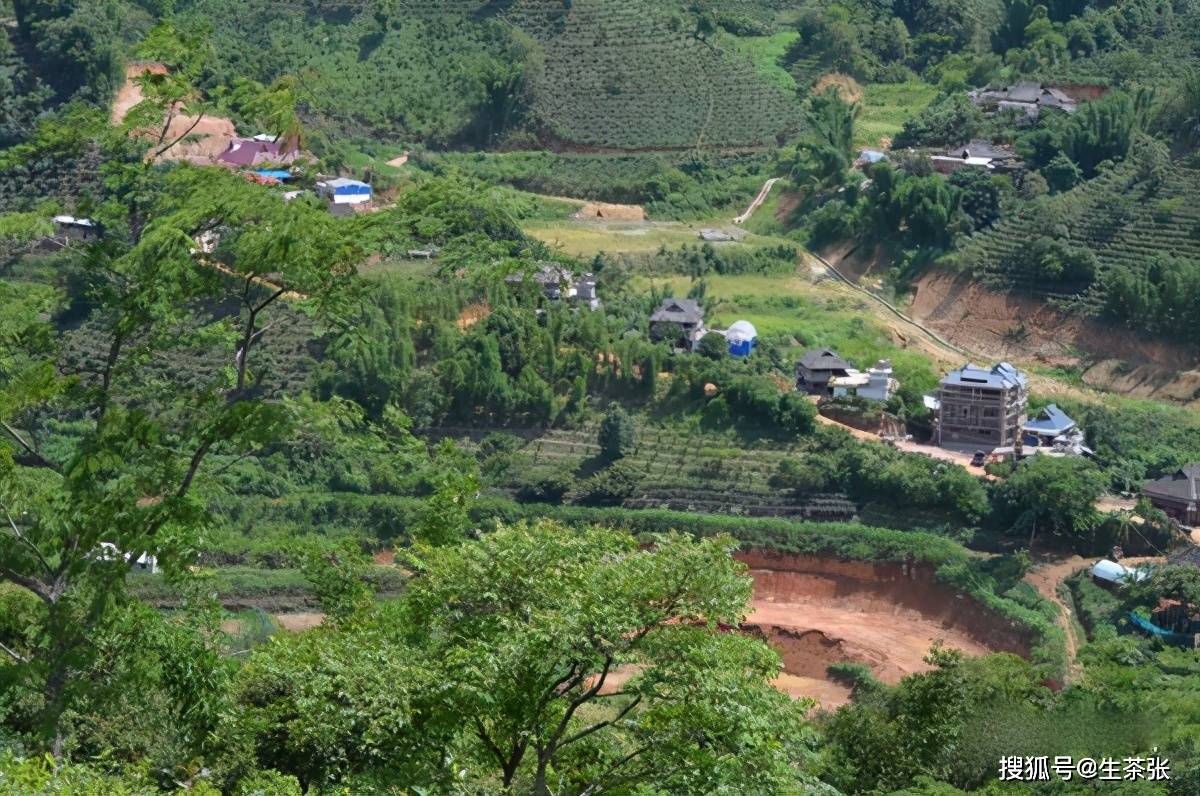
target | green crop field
[
  {"x": 886, "y": 106},
  {"x": 1120, "y": 217},
  {"x": 623, "y": 74},
  {"x": 765, "y": 52},
  {"x": 631, "y": 73},
  {"x": 689, "y": 470}
]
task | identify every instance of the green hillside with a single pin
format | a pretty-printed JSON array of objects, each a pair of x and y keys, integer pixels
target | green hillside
[
  {"x": 1123, "y": 220},
  {"x": 627, "y": 74},
  {"x": 633, "y": 73}
]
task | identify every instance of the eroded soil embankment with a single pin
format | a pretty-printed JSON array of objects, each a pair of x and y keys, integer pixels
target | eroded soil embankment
[
  {"x": 1023, "y": 327},
  {"x": 816, "y": 611}
]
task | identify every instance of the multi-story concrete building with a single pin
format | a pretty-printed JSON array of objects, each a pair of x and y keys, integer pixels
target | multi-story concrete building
[{"x": 982, "y": 409}]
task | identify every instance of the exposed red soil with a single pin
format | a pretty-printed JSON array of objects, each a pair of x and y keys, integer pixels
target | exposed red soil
[
  {"x": 1023, "y": 327},
  {"x": 204, "y": 138},
  {"x": 816, "y": 611}
]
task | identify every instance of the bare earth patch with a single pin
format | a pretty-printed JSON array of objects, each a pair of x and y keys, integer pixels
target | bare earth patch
[
  {"x": 1020, "y": 327},
  {"x": 297, "y": 623},
  {"x": 818, "y": 611},
  {"x": 611, "y": 212}
]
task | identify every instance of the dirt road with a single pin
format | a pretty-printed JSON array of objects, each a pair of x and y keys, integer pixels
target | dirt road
[
  {"x": 758, "y": 200},
  {"x": 909, "y": 446},
  {"x": 1046, "y": 576}
]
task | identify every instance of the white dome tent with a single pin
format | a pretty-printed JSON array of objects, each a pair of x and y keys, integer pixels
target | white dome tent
[{"x": 742, "y": 337}]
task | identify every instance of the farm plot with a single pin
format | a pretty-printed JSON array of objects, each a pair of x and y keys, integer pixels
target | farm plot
[
  {"x": 1121, "y": 217},
  {"x": 629, "y": 74},
  {"x": 690, "y": 471}
]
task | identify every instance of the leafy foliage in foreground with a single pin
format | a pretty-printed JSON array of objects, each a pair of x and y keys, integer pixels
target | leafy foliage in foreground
[{"x": 506, "y": 651}]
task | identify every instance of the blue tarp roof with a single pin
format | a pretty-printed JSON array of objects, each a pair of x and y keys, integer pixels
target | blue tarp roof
[
  {"x": 278, "y": 174},
  {"x": 1052, "y": 421},
  {"x": 872, "y": 155}
]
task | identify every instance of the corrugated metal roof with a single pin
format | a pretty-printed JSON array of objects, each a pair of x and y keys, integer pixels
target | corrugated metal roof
[
  {"x": 1001, "y": 376},
  {"x": 1051, "y": 421}
]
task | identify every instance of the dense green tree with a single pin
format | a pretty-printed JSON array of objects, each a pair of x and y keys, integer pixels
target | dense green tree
[
  {"x": 980, "y": 195},
  {"x": 539, "y": 659},
  {"x": 617, "y": 437},
  {"x": 947, "y": 121},
  {"x": 928, "y": 207},
  {"x": 713, "y": 346},
  {"x": 1161, "y": 300},
  {"x": 1061, "y": 173},
  {"x": 75, "y": 44},
  {"x": 546, "y": 618},
  {"x": 126, "y": 483},
  {"x": 1052, "y": 495},
  {"x": 826, "y": 150}
]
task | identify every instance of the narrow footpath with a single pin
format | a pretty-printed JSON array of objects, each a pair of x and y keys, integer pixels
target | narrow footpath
[{"x": 758, "y": 200}]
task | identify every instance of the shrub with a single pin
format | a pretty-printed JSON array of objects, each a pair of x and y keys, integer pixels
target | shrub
[
  {"x": 545, "y": 486},
  {"x": 617, "y": 436},
  {"x": 609, "y": 487}
]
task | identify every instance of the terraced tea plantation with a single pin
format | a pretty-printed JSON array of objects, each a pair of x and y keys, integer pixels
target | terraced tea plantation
[
  {"x": 636, "y": 74},
  {"x": 683, "y": 471},
  {"x": 1123, "y": 217}
]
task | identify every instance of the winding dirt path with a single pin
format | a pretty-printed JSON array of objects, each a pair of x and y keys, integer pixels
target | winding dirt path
[
  {"x": 1046, "y": 577},
  {"x": 758, "y": 200}
]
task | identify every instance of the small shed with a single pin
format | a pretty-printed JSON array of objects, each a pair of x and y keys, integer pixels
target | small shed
[
  {"x": 72, "y": 228},
  {"x": 1111, "y": 574},
  {"x": 344, "y": 191},
  {"x": 742, "y": 338}
]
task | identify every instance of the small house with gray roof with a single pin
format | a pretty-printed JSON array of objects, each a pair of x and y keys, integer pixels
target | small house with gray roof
[
  {"x": 982, "y": 408},
  {"x": 679, "y": 322},
  {"x": 1177, "y": 494},
  {"x": 817, "y": 368},
  {"x": 979, "y": 154}
]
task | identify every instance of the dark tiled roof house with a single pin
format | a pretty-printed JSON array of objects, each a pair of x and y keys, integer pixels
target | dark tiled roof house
[
  {"x": 678, "y": 321},
  {"x": 816, "y": 368},
  {"x": 1178, "y": 494}
]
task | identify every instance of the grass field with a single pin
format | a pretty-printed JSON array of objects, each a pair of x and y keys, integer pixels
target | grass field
[
  {"x": 587, "y": 238},
  {"x": 885, "y": 107},
  {"x": 765, "y": 52},
  {"x": 798, "y": 313}
]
